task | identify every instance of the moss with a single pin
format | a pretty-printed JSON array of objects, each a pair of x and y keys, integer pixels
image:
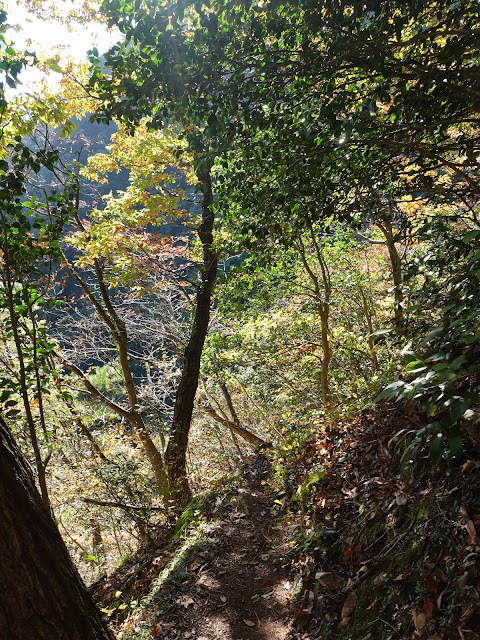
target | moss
[
  {"x": 393, "y": 591},
  {"x": 373, "y": 531},
  {"x": 199, "y": 507}
]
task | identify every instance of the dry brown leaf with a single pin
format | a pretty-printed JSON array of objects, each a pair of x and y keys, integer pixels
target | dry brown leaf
[
  {"x": 468, "y": 614},
  {"x": 469, "y": 464},
  {"x": 331, "y": 616},
  {"x": 463, "y": 581},
  {"x": 327, "y": 579},
  {"x": 348, "y": 608},
  {"x": 249, "y": 623},
  {"x": 375, "y": 602},
  {"x": 419, "y": 620},
  {"x": 195, "y": 564},
  {"x": 439, "y": 599},
  {"x": 186, "y": 601},
  {"x": 301, "y": 618},
  {"x": 472, "y": 534},
  {"x": 428, "y": 607}
]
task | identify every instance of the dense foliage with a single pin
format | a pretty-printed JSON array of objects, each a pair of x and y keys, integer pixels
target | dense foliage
[{"x": 285, "y": 217}]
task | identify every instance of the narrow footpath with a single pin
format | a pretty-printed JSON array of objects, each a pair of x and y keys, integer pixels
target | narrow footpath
[{"x": 232, "y": 583}]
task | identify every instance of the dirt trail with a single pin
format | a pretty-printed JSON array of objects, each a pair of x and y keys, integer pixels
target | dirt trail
[{"x": 237, "y": 586}]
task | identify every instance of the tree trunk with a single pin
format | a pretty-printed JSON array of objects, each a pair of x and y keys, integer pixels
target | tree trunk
[
  {"x": 176, "y": 453},
  {"x": 327, "y": 356},
  {"x": 41, "y": 593},
  {"x": 247, "y": 435},
  {"x": 388, "y": 231}
]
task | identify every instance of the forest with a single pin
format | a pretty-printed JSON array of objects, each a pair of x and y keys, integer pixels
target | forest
[{"x": 239, "y": 322}]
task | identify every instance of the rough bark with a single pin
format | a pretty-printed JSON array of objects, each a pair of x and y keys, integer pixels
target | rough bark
[
  {"x": 176, "y": 453},
  {"x": 41, "y": 593}
]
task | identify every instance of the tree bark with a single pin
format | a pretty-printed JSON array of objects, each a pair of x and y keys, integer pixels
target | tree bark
[
  {"x": 176, "y": 452},
  {"x": 41, "y": 593}
]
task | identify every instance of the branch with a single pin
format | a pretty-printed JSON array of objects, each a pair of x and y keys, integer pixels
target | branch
[
  {"x": 120, "y": 505},
  {"x": 93, "y": 391},
  {"x": 248, "y": 436}
]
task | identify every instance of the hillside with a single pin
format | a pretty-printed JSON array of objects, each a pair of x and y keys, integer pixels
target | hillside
[
  {"x": 239, "y": 324},
  {"x": 343, "y": 543}
]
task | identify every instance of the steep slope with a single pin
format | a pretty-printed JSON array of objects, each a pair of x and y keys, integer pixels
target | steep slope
[{"x": 350, "y": 545}]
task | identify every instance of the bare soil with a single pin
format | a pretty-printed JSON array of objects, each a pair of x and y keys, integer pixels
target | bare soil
[{"x": 233, "y": 586}]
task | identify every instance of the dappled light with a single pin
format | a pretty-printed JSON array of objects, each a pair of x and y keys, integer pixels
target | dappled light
[{"x": 239, "y": 320}]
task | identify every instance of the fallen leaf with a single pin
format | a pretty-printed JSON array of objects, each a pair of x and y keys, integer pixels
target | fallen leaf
[
  {"x": 348, "y": 608},
  {"x": 301, "y": 618},
  {"x": 375, "y": 602},
  {"x": 469, "y": 464},
  {"x": 249, "y": 623},
  {"x": 463, "y": 581},
  {"x": 428, "y": 607},
  {"x": 186, "y": 601},
  {"x": 471, "y": 532},
  {"x": 439, "y": 599},
  {"x": 468, "y": 614},
  {"x": 269, "y": 582},
  {"x": 327, "y": 579},
  {"x": 195, "y": 564},
  {"x": 430, "y": 583},
  {"x": 331, "y": 616},
  {"x": 419, "y": 620}
]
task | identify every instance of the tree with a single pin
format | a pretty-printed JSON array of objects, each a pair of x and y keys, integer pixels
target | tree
[
  {"x": 138, "y": 103},
  {"x": 305, "y": 93},
  {"x": 40, "y": 589}
]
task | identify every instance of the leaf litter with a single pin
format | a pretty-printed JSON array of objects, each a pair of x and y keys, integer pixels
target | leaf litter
[{"x": 366, "y": 550}]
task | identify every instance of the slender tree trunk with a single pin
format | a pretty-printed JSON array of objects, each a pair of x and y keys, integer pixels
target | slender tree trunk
[
  {"x": 40, "y": 465},
  {"x": 105, "y": 309},
  {"x": 322, "y": 293},
  {"x": 247, "y": 435},
  {"x": 176, "y": 453},
  {"x": 327, "y": 356},
  {"x": 41, "y": 593},
  {"x": 386, "y": 228}
]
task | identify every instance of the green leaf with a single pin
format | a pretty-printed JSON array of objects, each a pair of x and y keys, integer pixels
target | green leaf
[
  {"x": 436, "y": 448},
  {"x": 380, "y": 332},
  {"x": 433, "y": 334},
  {"x": 458, "y": 408},
  {"x": 455, "y": 446},
  {"x": 471, "y": 235},
  {"x": 414, "y": 364},
  {"x": 389, "y": 390},
  {"x": 455, "y": 364}
]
